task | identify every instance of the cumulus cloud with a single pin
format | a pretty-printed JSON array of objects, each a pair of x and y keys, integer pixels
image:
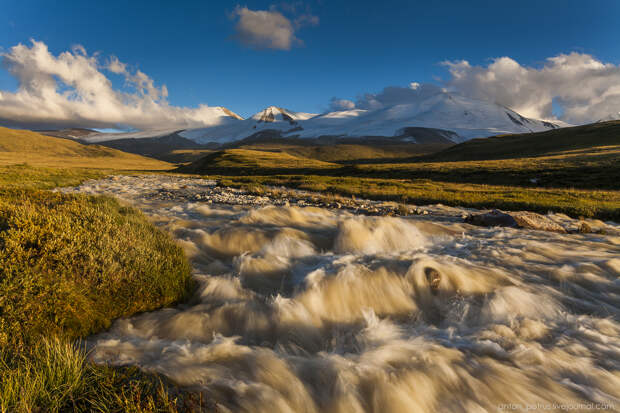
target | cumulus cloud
[
  {"x": 396, "y": 95},
  {"x": 585, "y": 88},
  {"x": 270, "y": 29},
  {"x": 71, "y": 89},
  {"x": 389, "y": 96},
  {"x": 341, "y": 104}
]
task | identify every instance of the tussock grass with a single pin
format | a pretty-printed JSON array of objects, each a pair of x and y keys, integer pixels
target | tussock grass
[
  {"x": 57, "y": 377},
  {"x": 69, "y": 265}
]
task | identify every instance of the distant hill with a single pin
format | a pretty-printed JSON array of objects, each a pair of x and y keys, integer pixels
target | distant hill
[
  {"x": 547, "y": 143},
  {"x": 347, "y": 151},
  {"x": 160, "y": 147},
  {"x": 175, "y": 148},
  {"x": 23, "y": 146},
  {"x": 246, "y": 161}
]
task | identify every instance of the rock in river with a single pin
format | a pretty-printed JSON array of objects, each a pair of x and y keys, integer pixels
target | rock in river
[{"x": 522, "y": 219}]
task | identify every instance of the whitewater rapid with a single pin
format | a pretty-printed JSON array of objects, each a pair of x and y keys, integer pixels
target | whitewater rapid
[{"x": 317, "y": 310}]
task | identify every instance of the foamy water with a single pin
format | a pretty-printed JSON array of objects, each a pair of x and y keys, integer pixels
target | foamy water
[{"x": 314, "y": 310}]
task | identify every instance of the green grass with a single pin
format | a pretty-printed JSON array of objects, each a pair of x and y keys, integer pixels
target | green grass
[
  {"x": 599, "y": 204},
  {"x": 529, "y": 145},
  {"x": 29, "y": 177},
  {"x": 57, "y": 377},
  {"x": 70, "y": 265},
  {"x": 595, "y": 168},
  {"x": 576, "y": 183}
]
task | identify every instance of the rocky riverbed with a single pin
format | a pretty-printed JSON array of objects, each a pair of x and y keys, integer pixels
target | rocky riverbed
[{"x": 195, "y": 190}]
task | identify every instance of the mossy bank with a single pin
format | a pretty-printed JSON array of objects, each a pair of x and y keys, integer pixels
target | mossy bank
[{"x": 69, "y": 266}]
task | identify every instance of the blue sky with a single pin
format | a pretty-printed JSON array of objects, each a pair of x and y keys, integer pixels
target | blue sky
[{"x": 356, "y": 47}]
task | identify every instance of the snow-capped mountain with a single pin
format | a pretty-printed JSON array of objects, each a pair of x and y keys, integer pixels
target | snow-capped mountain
[
  {"x": 448, "y": 116},
  {"x": 273, "y": 118},
  {"x": 274, "y": 114},
  {"x": 466, "y": 118}
]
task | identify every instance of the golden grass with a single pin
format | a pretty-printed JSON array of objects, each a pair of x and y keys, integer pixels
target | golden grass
[
  {"x": 250, "y": 160},
  {"x": 348, "y": 152},
  {"x": 22, "y": 146},
  {"x": 57, "y": 377},
  {"x": 180, "y": 156},
  {"x": 595, "y": 168},
  {"x": 528, "y": 145},
  {"x": 69, "y": 265}
]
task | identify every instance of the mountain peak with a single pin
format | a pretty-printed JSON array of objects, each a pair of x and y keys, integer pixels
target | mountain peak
[
  {"x": 230, "y": 113},
  {"x": 275, "y": 114}
]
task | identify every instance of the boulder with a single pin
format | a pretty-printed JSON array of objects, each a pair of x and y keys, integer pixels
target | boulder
[
  {"x": 522, "y": 219},
  {"x": 434, "y": 278}
]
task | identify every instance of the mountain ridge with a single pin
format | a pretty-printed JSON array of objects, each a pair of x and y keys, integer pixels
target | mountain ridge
[
  {"x": 465, "y": 118},
  {"x": 457, "y": 117}
]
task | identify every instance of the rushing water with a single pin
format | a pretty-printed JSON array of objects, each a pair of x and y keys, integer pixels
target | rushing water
[{"x": 315, "y": 310}]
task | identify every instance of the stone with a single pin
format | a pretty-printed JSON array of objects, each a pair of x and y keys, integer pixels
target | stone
[
  {"x": 522, "y": 219},
  {"x": 434, "y": 278},
  {"x": 584, "y": 228}
]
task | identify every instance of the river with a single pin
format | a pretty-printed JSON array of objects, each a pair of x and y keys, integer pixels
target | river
[{"x": 306, "y": 309}]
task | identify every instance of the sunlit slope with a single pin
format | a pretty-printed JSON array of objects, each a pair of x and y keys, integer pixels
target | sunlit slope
[
  {"x": 352, "y": 152},
  {"x": 22, "y": 146},
  {"x": 596, "y": 137},
  {"x": 248, "y": 161}
]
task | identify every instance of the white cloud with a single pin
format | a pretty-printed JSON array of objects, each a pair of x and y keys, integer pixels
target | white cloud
[
  {"x": 306, "y": 20},
  {"x": 116, "y": 66},
  {"x": 270, "y": 29},
  {"x": 586, "y": 88},
  {"x": 389, "y": 96},
  {"x": 262, "y": 29},
  {"x": 71, "y": 89},
  {"x": 341, "y": 104},
  {"x": 395, "y": 95}
]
